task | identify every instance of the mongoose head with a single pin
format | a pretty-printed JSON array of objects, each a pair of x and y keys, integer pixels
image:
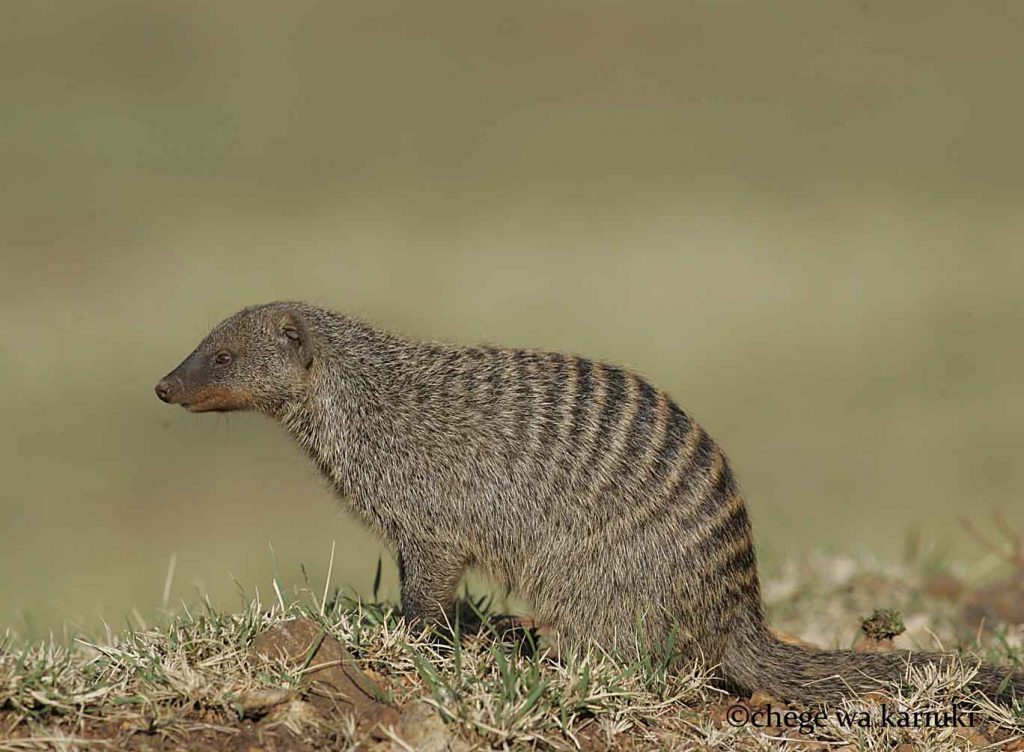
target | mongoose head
[{"x": 258, "y": 359}]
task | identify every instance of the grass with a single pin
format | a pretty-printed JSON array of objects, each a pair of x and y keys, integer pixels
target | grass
[{"x": 189, "y": 683}]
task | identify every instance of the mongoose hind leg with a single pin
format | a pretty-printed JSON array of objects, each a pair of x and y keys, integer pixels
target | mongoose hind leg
[{"x": 428, "y": 578}]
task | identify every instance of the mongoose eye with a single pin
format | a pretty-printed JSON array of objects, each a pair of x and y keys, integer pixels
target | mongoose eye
[
  {"x": 222, "y": 358},
  {"x": 291, "y": 333}
]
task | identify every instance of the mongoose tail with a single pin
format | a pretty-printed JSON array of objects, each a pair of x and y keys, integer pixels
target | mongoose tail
[{"x": 755, "y": 659}]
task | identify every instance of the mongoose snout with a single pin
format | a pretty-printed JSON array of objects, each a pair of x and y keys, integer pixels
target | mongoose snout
[
  {"x": 255, "y": 364},
  {"x": 576, "y": 484}
]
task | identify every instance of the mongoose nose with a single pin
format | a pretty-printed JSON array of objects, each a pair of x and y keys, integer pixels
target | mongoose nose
[{"x": 163, "y": 391}]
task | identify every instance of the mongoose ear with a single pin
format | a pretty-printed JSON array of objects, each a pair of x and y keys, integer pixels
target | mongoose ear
[{"x": 296, "y": 334}]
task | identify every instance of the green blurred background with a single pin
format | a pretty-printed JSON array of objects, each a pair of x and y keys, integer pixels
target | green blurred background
[{"x": 804, "y": 219}]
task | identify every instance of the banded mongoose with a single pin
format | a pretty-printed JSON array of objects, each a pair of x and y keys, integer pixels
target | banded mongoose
[{"x": 574, "y": 483}]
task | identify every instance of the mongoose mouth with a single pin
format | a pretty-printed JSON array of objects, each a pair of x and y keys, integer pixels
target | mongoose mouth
[
  {"x": 219, "y": 401},
  {"x": 209, "y": 406},
  {"x": 204, "y": 399}
]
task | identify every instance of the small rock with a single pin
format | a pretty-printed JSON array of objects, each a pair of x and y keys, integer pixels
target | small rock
[
  {"x": 760, "y": 699},
  {"x": 331, "y": 665},
  {"x": 718, "y": 712},
  {"x": 973, "y": 737},
  {"x": 336, "y": 683},
  {"x": 294, "y": 714},
  {"x": 259, "y": 701},
  {"x": 422, "y": 728}
]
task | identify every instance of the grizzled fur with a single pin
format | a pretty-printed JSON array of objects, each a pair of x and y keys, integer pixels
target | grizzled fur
[{"x": 576, "y": 484}]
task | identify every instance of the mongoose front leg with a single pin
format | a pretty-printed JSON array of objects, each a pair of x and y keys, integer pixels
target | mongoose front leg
[{"x": 428, "y": 580}]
